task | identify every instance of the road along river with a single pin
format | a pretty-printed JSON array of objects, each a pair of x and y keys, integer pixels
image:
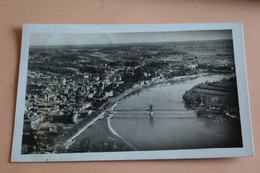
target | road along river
[{"x": 172, "y": 126}]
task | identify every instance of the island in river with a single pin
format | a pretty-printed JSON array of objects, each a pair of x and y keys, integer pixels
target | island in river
[{"x": 218, "y": 99}]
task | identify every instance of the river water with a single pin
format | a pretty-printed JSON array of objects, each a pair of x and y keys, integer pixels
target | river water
[{"x": 178, "y": 128}]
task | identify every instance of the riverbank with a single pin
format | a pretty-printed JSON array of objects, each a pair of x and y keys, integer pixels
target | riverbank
[
  {"x": 115, "y": 133},
  {"x": 99, "y": 137}
]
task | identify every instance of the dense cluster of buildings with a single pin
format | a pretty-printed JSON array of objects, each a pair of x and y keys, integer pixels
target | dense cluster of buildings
[{"x": 54, "y": 103}]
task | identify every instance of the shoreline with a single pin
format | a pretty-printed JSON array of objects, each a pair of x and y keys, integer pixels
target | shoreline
[
  {"x": 115, "y": 133},
  {"x": 70, "y": 140},
  {"x": 107, "y": 139}
]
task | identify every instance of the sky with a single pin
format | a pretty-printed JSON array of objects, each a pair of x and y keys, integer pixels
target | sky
[{"x": 37, "y": 39}]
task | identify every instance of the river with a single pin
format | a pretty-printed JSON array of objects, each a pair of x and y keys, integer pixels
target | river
[{"x": 178, "y": 128}]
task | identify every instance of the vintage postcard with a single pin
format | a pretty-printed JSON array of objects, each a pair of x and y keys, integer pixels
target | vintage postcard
[{"x": 131, "y": 92}]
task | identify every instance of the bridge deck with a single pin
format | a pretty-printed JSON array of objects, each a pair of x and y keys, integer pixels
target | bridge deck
[{"x": 177, "y": 110}]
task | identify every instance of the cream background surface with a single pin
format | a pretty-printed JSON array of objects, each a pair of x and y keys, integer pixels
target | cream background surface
[{"x": 13, "y": 13}]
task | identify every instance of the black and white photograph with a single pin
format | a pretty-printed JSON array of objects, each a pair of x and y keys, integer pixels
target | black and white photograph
[{"x": 131, "y": 92}]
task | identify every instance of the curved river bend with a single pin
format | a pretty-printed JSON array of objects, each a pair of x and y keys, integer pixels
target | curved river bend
[{"x": 173, "y": 129}]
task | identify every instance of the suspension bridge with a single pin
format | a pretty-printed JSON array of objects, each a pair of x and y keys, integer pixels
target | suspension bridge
[{"x": 153, "y": 110}]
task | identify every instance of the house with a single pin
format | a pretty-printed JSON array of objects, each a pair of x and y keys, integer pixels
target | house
[
  {"x": 48, "y": 127},
  {"x": 117, "y": 78},
  {"x": 32, "y": 123},
  {"x": 147, "y": 74},
  {"x": 96, "y": 77},
  {"x": 86, "y": 105},
  {"x": 192, "y": 66},
  {"x": 86, "y": 76},
  {"x": 90, "y": 95},
  {"x": 109, "y": 93},
  {"x": 50, "y": 97},
  {"x": 35, "y": 121},
  {"x": 44, "y": 107}
]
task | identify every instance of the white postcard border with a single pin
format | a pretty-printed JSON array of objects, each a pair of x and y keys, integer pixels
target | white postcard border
[{"x": 246, "y": 150}]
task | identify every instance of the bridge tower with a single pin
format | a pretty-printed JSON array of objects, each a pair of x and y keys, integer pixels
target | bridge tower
[{"x": 151, "y": 110}]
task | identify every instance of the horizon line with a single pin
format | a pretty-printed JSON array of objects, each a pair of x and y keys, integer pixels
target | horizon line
[{"x": 104, "y": 44}]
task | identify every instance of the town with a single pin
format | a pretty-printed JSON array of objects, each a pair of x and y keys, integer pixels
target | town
[{"x": 68, "y": 86}]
